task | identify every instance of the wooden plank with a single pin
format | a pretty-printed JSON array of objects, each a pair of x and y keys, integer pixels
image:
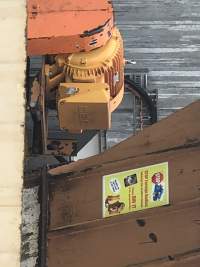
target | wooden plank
[
  {"x": 180, "y": 129},
  {"x": 126, "y": 243},
  {"x": 186, "y": 260},
  {"x": 162, "y": 36},
  {"x": 78, "y": 199},
  {"x": 79, "y": 236}
]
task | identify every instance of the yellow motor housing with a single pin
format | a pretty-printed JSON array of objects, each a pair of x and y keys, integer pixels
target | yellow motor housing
[
  {"x": 84, "y": 106},
  {"x": 95, "y": 80}
]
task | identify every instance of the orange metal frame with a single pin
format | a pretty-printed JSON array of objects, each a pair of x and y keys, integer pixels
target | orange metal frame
[{"x": 62, "y": 26}]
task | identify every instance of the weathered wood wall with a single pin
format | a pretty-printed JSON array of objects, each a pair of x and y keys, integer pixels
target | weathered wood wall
[
  {"x": 77, "y": 234},
  {"x": 164, "y": 36},
  {"x": 12, "y": 77}
]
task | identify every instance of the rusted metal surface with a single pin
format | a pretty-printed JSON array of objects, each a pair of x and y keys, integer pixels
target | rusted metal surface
[
  {"x": 165, "y": 236},
  {"x": 56, "y": 27}
]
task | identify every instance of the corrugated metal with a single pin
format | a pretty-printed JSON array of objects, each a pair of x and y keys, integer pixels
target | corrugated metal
[{"x": 164, "y": 36}]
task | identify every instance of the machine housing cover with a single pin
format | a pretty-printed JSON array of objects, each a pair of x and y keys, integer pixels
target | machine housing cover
[{"x": 86, "y": 108}]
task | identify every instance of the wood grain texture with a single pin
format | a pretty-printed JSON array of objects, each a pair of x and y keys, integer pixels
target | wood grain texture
[
  {"x": 163, "y": 36},
  {"x": 180, "y": 129},
  {"x": 79, "y": 199},
  {"x": 79, "y": 236},
  {"x": 125, "y": 243}
]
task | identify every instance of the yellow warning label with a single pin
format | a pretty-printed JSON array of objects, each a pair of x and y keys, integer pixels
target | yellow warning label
[{"x": 136, "y": 189}]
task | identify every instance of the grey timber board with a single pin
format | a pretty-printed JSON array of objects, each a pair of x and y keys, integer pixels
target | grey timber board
[{"x": 164, "y": 36}]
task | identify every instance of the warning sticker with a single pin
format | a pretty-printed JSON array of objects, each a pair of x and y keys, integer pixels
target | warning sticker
[{"x": 136, "y": 189}]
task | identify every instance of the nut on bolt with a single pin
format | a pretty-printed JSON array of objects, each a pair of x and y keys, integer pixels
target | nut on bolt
[{"x": 83, "y": 61}]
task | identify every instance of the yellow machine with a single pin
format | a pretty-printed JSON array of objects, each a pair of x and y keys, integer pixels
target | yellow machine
[
  {"x": 82, "y": 77},
  {"x": 90, "y": 85},
  {"x": 84, "y": 106}
]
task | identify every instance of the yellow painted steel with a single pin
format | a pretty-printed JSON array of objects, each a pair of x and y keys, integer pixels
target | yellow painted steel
[
  {"x": 105, "y": 64},
  {"x": 99, "y": 68},
  {"x": 91, "y": 65},
  {"x": 84, "y": 106}
]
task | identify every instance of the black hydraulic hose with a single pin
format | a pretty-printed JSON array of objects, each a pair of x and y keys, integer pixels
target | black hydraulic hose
[{"x": 144, "y": 95}]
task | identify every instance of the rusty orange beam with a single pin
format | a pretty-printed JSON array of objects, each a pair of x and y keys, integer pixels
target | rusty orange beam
[{"x": 63, "y": 26}]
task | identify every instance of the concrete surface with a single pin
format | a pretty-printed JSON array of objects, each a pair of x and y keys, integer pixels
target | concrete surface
[{"x": 12, "y": 77}]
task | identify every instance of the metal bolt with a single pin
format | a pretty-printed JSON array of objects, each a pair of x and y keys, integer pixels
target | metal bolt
[
  {"x": 71, "y": 91},
  {"x": 83, "y": 61}
]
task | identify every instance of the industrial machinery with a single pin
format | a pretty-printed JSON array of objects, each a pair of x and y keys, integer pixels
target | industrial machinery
[
  {"x": 73, "y": 229},
  {"x": 155, "y": 172},
  {"x": 82, "y": 77}
]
